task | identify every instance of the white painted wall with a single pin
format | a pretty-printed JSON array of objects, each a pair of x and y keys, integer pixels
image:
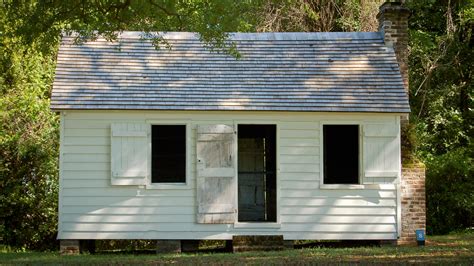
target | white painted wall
[{"x": 92, "y": 208}]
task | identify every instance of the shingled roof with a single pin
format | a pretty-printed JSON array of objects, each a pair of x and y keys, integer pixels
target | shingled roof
[{"x": 341, "y": 72}]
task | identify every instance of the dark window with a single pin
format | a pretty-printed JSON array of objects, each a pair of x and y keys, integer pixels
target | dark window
[
  {"x": 168, "y": 149},
  {"x": 341, "y": 154}
]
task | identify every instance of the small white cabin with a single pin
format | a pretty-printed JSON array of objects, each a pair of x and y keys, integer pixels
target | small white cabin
[{"x": 300, "y": 137}]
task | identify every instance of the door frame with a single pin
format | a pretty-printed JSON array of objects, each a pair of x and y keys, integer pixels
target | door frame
[{"x": 276, "y": 224}]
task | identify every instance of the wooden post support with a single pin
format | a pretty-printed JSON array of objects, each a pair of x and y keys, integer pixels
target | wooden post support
[
  {"x": 258, "y": 243},
  {"x": 168, "y": 246},
  {"x": 69, "y": 247},
  {"x": 189, "y": 245}
]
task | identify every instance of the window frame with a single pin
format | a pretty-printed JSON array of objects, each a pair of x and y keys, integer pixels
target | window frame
[
  {"x": 179, "y": 185},
  {"x": 360, "y": 184}
]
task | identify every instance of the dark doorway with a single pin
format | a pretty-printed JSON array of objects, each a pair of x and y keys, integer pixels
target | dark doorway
[{"x": 257, "y": 173}]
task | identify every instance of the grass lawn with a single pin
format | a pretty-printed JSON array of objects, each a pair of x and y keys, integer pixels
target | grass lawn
[{"x": 456, "y": 249}]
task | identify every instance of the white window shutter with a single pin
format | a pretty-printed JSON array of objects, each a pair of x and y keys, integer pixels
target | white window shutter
[
  {"x": 216, "y": 174},
  {"x": 381, "y": 153},
  {"x": 129, "y": 153}
]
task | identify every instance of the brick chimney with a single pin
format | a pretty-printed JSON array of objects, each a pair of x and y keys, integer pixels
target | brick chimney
[{"x": 393, "y": 23}]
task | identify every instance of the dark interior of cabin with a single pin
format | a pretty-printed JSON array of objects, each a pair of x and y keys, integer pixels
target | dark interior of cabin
[
  {"x": 341, "y": 154},
  {"x": 257, "y": 173}
]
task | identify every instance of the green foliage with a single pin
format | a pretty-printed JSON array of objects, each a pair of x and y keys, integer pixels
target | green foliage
[
  {"x": 441, "y": 72},
  {"x": 43, "y": 21},
  {"x": 449, "y": 191},
  {"x": 28, "y": 142},
  {"x": 28, "y": 151},
  {"x": 441, "y": 68}
]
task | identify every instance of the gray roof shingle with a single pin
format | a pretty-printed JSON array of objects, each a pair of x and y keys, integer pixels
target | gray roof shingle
[{"x": 341, "y": 72}]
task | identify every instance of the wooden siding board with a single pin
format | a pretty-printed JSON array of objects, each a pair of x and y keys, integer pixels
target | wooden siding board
[
  {"x": 223, "y": 235},
  {"x": 338, "y": 219},
  {"x": 100, "y": 192},
  {"x": 182, "y": 227},
  {"x": 312, "y": 72}
]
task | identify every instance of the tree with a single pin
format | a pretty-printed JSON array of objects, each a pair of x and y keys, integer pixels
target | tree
[
  {"x": 42, "y": 21},
  {"x": 441, "y": 72},
  {"x": 28, "y": 147},
  {"x": 318, "y": 15}
]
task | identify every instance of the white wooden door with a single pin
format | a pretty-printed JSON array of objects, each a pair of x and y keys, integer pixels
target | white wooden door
[{"x": 216, "y": 174}]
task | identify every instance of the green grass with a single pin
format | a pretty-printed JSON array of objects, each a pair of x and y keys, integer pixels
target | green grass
[{"x": 456, "y": 249}]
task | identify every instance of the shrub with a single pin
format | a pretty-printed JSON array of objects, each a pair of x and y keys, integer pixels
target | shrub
[
  {"x": 449, "y": 191},
  {"x": 28, "y": 150}
]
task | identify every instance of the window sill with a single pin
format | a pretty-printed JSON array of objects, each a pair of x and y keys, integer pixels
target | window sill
[
  {"x": 168, "y": 186},
  {"x": 347, "y": 186},
  {"x": 257, "y": 225}
]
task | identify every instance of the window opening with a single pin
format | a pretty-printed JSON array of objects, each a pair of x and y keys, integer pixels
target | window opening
[
  {"x": 341, "y": 154},
  {"x": 168, "y": 149}
]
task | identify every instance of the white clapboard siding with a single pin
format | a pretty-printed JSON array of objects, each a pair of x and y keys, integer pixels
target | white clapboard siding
[
  {"x": 299, "y": 168},
  {"x": 90, "y": 183},
  {"x": 89, "y": 141},
  {"x": 86, "y": 132},
  {"x": 126, "y": 219},
  {"x": 92, "y": 208},
  {"x": 295, "y": 150},
  {"x": 138, "y": 201},
  {"x": 301, "y": 184},
  {"x": 299, "y": 133},
  {"x": 86, "y": 158},
  {"x": 305, "y": 125},
  {"x": 308, "y": 142},
  {"x": 339, "y": 202},
  {"x": 101, "y": 192},
  {"x": 91, "y": 166},
  {"x": 226, "y": 235},
  {"x": 86, "y": 149},
  {"x": 381, "y": 153},
  {"x": 371, "y": 194},
  {"x": 338, "y": 219},
  {"x": 342, "y": 235},
  {"x": 87, "y": 123},
  {"x": 161, "y": 210},
  {"x": 298, "y": 176},
  {"x": 311, "y": 159},
  {"x": 332, "y": 210},
  {"x": 129, "y": 153},
  {"x": 87, "y": 175},
  {"x": 180, "y": 227}
]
